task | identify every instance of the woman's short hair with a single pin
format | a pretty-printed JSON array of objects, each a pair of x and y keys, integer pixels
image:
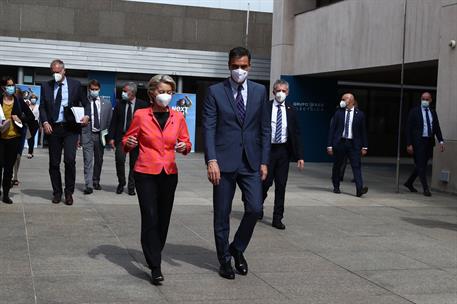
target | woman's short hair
[{"x": 155, "y": 80}]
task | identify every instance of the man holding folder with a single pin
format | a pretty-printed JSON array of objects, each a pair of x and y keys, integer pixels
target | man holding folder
[
  {"x": 58, "y": 96},
  {"x": 93, "y": 136}
]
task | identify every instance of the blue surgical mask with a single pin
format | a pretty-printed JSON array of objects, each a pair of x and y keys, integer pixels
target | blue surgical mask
[
  {"x": 33, "y": 101},
  {"x": 425, "y": 103},
  {"x": 94, "y": 93},
  {"x": 10, "y": 90},
  {"x": 125, "y": 96}
]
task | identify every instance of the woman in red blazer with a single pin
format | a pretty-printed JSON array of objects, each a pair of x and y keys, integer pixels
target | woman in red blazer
[{"x": 158, "y": 131}]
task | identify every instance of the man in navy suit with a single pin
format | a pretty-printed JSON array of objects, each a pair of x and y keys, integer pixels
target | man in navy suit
[
  {"x": 62, "y": 130},
  {"x": 286, "y": 146},
  {"x": 237, "y": 134},
  {"x": 421, "y": 129},
  {"x": 347, "y": 137}
]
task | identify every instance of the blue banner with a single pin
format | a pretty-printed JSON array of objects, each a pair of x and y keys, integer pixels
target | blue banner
[
  {"x": 315, "y": 100},
  {"x": 186, "y": 104}
]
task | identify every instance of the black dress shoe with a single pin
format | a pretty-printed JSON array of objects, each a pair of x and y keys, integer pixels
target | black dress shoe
[
  {"x": 336, "y": 190},
  {"x": 226, "y": 271},
  {"x": 240, "y": 262},
  {"x": 97, "y": 187},
  {"x": 132, "y": 192},
  {"x": 88, "y": 190},
  {"x": 363, "y": 191},
  {"x": 410, "y": 187},
  {"x": 278, "y": 225},
  {"x": 68, "y": 199},
  {"x": 120, "y": 189},
  {"x": 7, "y": 200},
  {"x": 56, "y": 198},
  {"x": 427, "y": 193},
  {"x": 156, "y": 276}
]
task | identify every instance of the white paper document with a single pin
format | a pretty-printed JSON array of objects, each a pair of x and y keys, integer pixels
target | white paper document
[{"x": 78, "y": 112}]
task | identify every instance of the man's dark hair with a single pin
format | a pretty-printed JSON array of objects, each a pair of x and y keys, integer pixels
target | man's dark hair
[
  {"x": 94, "y": 82},
  {"x": 239, "y": 52}
]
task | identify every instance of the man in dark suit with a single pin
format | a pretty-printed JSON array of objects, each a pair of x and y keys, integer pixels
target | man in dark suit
[
  {"x": 286, "y": 146},
  {"x": 122, "y": 117},
  {"x": 347, "y": 137},
  {"x": 93, "y": 136},
  {"x": 236, "y": 131},
  {"x": 421, "y": 129},
  {"x": 58, "y": 96}
]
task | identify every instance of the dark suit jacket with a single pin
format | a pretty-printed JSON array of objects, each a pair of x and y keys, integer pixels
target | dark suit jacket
[
  {"x": 294, "y": 142},
  {"x": 116, "y": 129},
  {"x": 75, "y": 99},
  {"x": 21, "y": 110},
  {"x": 415, "y": 125},
  {"x": 359, "y": 131},
  {"x": 106, "y": 113},
  {"x": 226, "y": 137}
]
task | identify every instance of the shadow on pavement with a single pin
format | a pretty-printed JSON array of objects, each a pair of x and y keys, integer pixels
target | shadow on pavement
[{"x": 430, "y": 223}]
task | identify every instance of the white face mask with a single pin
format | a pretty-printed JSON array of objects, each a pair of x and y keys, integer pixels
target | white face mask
[
  {"x": 239, "y": 75},
  {"x": 125, "y": 95},
  {"x": 163, "y": 100},
  {"x": 343, "y": 104},
  {"x": 57, "y": 77},
  {"x": 425, "y": 103},
  {"x": 280, "y": 96}
]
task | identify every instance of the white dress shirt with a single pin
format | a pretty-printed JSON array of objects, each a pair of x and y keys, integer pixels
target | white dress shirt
[
  {"x": 274, "y": 116},
  {"x": 97, "y": 104},
  {"x": 244, "y": 91},
  {"x": 132, "y": 108},
  {"x": 351, "y": 119},
  {"x": 424, "y": 129},
  {"x": 64, "y": 102}
]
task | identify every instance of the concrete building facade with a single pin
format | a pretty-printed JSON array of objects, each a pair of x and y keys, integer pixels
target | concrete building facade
[
  {"x": 123, "y": 41},
  {"x": 358, "y": 44}
]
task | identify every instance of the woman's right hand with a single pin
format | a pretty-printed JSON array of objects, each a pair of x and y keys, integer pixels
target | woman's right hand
[{"x": 132, "y": 142}]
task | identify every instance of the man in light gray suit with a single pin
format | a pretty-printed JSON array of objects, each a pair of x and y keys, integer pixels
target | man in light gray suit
[{"x": 93, "y": 137}]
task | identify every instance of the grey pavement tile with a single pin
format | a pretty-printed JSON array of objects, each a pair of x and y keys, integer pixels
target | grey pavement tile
[
  {"x": 211, "y": 287},
  {"x": 269, "y": 262},
  {"x": 16, "y": 290},
  {"x": 344, "y": 298},
  {"x": 90, "y": 289},
  {"x": 413, "y": 281},
  {"x": 443, "y": 298},
  {"x": 373, "y": 260},
  {"x": 321, "y": 284}
]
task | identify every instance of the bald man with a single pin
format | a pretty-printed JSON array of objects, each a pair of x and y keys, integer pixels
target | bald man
[
  {"x": 421, "y": 129},
  {"x": 347, "y": 137}
]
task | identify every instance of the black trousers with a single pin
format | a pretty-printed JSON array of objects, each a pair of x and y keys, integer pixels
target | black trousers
[
  {"x": 278, "y": 172},
  {"x": 33, "y": 129},
  {"x": 120, "y": 157},
  {"x": 66, "y": 140},
  {"x": 8, "y": 152},
  {"x": 345, "y": 148},
  {"x": 156, "y": 194},
  {"x": 423, "y": 151}
]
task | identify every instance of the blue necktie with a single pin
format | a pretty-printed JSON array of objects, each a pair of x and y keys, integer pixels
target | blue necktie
[
  {"x": 429, "y": 128},
  {"x": 346, "y": 124},
  {"x": 57, "y": 102},
  {"x": 240, "y": 104},
  {"x": 278, "y": 132}
]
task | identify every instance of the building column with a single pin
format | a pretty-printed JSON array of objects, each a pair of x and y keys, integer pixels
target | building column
[
  {"x": 179, "y": 87},
  {"x": 20, "y": 75},
  {"x": 447, "y": 101}
]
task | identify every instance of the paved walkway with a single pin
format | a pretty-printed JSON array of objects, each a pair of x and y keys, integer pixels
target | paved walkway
[{"x": 385, "y": 248}]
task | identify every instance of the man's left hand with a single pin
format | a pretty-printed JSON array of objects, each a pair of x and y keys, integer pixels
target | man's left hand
[
  {"x": 442, "y": 147},
  {"x": 364, "y": 152},
  {"x": 301, "y": 164},
  {"x": 263, "y": 172},
  {"x": 85, "y": 120}
]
